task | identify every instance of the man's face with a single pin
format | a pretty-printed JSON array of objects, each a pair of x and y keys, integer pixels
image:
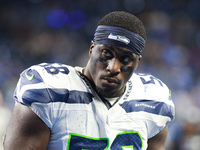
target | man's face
[{"x": 110, "y": 67}]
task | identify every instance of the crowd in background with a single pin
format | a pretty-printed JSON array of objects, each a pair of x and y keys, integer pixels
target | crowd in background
[{"x": 36, "y": 31}]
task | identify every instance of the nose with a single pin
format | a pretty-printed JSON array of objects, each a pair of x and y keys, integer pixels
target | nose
[{"x": 114, "y": 66}]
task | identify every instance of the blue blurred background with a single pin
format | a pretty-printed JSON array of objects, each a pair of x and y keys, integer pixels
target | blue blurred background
[{"x": 36, "y": 31}]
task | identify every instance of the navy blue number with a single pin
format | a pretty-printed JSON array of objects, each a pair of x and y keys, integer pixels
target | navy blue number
[
  {"x": 129, "y": 140},
  {"x": 151, "y": 80},
  {"x": 80, "y": 142},
  {"x": 55, "y": 70},
  {"x": 125, "y": 140}
]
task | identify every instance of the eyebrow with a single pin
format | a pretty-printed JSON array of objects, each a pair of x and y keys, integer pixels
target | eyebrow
[{"x": 128, "y": 52}]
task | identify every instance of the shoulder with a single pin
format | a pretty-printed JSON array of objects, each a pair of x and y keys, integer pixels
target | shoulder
[
  {"x": 150, "y": 87},
  {"x": 151, "y": 95},
  {"x": 52, "y": 74},
  {"x": 52, "y": 69},
  {"x": 151, "y": 99},
  {"x": 44, "y": 82}
]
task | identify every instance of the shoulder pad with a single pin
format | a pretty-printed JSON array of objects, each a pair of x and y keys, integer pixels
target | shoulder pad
[
  {"x": 37, "y": 82},
  {"x": 151, "y": 87}
]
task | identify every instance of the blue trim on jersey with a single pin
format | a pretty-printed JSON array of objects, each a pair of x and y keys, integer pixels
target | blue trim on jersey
[
  {"x": 150, "y": 106},
  {"x": 36, "y": 95},
  {"x": 56, "y": 95},
  {"x": 79, "y": 97},
  {"x": 66, "y": 96}
]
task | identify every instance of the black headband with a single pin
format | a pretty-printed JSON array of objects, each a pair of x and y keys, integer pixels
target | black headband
[{"x": 110, "y": 35}]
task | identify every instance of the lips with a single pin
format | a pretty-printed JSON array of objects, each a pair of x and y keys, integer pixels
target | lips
[{"x": 110, "y": 81}]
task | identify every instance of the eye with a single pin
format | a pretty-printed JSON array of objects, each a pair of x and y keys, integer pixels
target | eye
[
  {"x": 126, "y": 59},
  {"x": 106, "y": 53}
]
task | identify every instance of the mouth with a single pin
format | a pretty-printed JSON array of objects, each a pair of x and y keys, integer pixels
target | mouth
[{"x": 110, "y": 81}]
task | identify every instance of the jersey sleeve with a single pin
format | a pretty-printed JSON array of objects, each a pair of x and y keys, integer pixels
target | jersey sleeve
[
  {"x": 166, "y": 114},
  {"x": 153, "y": 97},
  {"x": 31, "y": 88},
  {"x": 164, "y": 107},
  {"x": 35, "y": 93}
]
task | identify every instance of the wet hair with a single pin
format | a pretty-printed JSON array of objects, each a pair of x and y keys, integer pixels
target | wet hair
[{"x": 124, "y": 20}]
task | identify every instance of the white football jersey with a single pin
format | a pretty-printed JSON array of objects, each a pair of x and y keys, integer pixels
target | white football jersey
[{"x": 80, "y": 120}]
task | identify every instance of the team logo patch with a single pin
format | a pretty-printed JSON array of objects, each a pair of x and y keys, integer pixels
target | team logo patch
[{"x": 119, "y": 38}]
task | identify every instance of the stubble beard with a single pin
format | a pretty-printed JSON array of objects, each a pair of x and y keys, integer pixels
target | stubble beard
[{"x": 106, "y": 92}]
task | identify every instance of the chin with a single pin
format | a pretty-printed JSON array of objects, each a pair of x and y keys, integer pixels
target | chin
[{"x": 106, "y": 92}]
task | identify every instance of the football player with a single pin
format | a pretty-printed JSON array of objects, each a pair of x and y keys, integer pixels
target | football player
[{"x": 105, "y": 105}]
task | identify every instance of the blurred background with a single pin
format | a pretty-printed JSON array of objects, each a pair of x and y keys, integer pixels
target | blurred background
[{"x": 36, "y": 31}]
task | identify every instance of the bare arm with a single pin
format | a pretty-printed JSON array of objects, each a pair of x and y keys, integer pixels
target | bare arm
[
  {"x": 26, "y": 131},
  {"x": 158, "y": 142}
]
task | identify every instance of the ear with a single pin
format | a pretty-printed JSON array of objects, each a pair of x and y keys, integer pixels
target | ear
[
  {"x": 140, "y": 57},
  {"x": 138, "y": 61},
  {"x": 91, "y": 48}
]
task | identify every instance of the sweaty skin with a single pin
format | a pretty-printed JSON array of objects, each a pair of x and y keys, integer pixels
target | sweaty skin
[{"x": 109, "y": 68}]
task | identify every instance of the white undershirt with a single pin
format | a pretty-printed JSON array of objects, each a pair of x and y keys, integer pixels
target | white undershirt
[{"x": 111, "y": 100}]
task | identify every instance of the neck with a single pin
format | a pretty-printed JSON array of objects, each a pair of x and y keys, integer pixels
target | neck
[
  {"x": 86, "y": 72},
  {"x": 87, "y": 75}
]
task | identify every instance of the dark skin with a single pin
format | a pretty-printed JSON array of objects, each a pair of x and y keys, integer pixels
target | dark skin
[
  {"x": 109, "y": 68},
  {"x": 26, "y": 131}
]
